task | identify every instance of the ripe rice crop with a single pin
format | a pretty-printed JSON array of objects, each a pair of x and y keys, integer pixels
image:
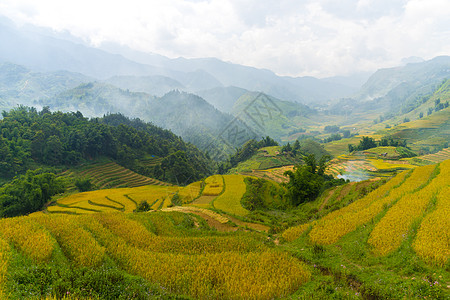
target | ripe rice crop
[
  {"x": 112, "y": 200},
  {"x": 214, "y": 185},
  {"x": 125, "y": 202},
  {"x": 230, "y": 200},
  {"x": 437, "y": 157},
  {"x": 210, "y": 213},
  {"x": 208, "y": 275},
  {"x": 432, "y": 241},
  {"x": 156, "y": 204},
  {"x": 293, "y": 233},
  {"x": 393, "y": 227},
  {"x": 167, "y": 202},
  {"x": 190, "y": 192},
  {"x": 131, "y": 231},
  {"x": 150, "y": 193},
  {"x": 70, "y": 210},
  {"x": 4, "y": 257},
  {"x": 383, "y": 165},
  {"x": 29, "y": 237},
  {"x": 200, "y": 245},
  {"x": 77, "y": 244},
  {"x": 332, "y": 227},
  {"x": 216, "y": 266}
]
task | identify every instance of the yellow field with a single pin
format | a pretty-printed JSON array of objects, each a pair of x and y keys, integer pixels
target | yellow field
[
  {"x": 418, "y": 197},
  {"x": 207, "y": 266},
  {"x": 338, "y": 223},
  {"x": 112, "y": 200},
  {"x": 432, "y": 241},
  {"x": 29, "y": 237},
  {"x": 190, "y": 192},
  {"x": 295, "y": 232},
  {"x": 112, "y": 175},
  {"x": 77, "y": 244},
  {"x": 437, "y": 157},
  {"x": 150, "y": 193},
  {"x": 4, "y": 257},
  {"x": 393, "y": 227},
  {"x": 247, "y": 274},
  {"x": 210, "y": 213},
  {"x": 230, "y": 200},
  {"x": 214, "y": 185},
  {"x": 380, "y": 164}
]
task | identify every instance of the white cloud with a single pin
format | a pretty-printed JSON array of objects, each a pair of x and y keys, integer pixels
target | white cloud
[{"x": 290, "y": 37}]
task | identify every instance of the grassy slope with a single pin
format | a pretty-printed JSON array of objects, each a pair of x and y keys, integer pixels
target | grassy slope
[
  {"x": 265, "y": 158},
  {"x": 429, "y": 131}
]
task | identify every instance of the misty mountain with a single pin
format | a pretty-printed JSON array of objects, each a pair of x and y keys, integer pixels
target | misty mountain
[
  {"x": 19, "y": 85},
  {"x": 44, "y": 53},
  {"x": 299, "y": 89},
  {"x": 185, "y": 114},
  {"x": 271, "y": 116},
  {"x": 416, "y": 75},
  {"x": 222, "y": 98},
  {"x": 154, "y": 85},
  {"x": 33, "y": 48},
  {"x": 397, "y": 91}
]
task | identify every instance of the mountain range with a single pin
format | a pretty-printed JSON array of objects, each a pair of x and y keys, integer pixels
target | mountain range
[{"x": 203, "y": 100}]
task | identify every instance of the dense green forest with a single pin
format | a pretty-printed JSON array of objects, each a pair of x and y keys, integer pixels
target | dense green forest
[
  {"x": 28, "y": 193},
  {"x": 30, "y": 139}
]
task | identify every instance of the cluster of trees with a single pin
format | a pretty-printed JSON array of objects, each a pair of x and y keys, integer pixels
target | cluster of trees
[
  {"x": 304, "y": 147},
  {"x": 331, "y": 128},
  {"x": 294, "y": 149},
  {"x": 438, "y": 105},
  {"x": 308, "y": 181},
  {"x": 305, "y": 184},
  {"x": 28, "y": 193},
  {"x": 245, "y": 152},
  {"x": 29, "y": 137},
  {"x": 367, "y": 142},
  {"x": 336, "y": 133},
  {"x": 263, "y": 194}
]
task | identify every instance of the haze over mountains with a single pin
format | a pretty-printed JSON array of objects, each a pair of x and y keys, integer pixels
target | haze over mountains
[
  {"x": 46, "y": 53},
  {"x": 41, "y": 70}
]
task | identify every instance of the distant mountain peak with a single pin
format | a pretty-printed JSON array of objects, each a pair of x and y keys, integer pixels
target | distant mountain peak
[{"x": 412, "y": 60}]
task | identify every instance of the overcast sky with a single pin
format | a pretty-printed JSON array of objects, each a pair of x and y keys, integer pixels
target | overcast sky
[{"x": 290, "y": 37}]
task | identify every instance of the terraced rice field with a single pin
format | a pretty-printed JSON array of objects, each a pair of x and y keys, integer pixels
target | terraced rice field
[
  {"x": 190, "y": 192},
  {"x": 364, "y": 165},
  {"x": 151, "y": 162},
  {"x": 188, "y": 209},
  {"x": 402, "y": 202},
  {"x": 213, "y": 185},
  {"x": 112, "y": 175},
  {"x": 113, "y": 200},
  {"x": 183, "y": 260},
  {"x": 230, "y": 200},
  {"x": 352, "y": 168},
  {"x": 437, "y": 157}
]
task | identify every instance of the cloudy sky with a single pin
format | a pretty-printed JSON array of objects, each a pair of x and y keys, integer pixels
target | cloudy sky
[{"x": 290, "y": 37}]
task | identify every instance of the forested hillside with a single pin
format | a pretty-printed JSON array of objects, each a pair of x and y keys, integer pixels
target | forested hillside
[{"x": 30, "y": 139}]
